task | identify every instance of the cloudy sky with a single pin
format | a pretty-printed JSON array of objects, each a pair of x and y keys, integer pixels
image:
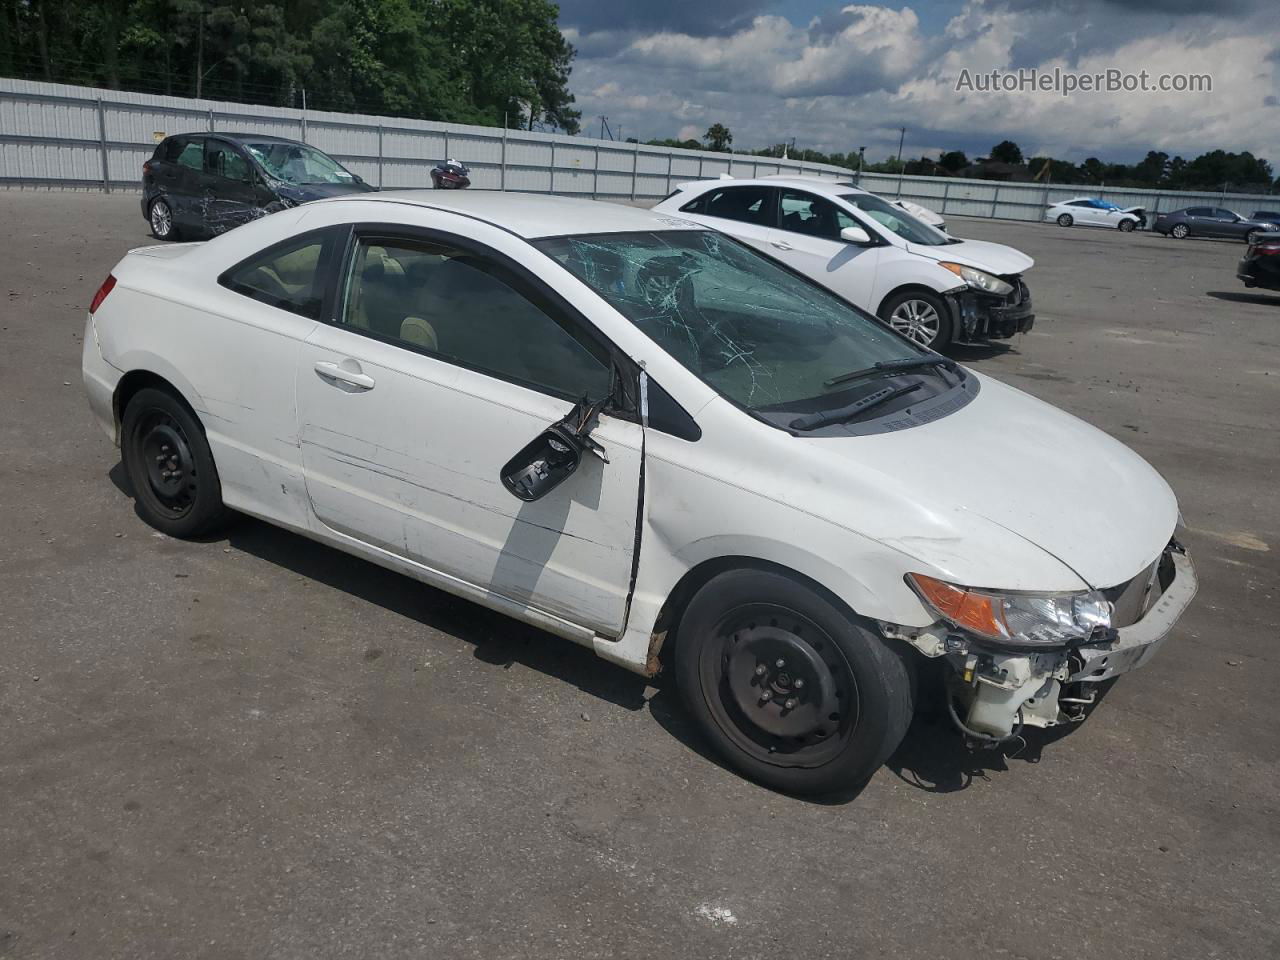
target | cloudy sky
[{"x": 837, "y": 77}]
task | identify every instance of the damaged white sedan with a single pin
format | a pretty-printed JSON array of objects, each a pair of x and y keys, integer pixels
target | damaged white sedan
[{"x": 650, "y": 439}]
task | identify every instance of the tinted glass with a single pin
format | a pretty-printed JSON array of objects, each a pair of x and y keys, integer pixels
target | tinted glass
[
  {"x": 746, "y": 204},
  {"x": 757, "y": 333},
  {"x": 812, "y": 216},
  {"x": 169, "y": 150},
  {"x": 897, "y": 220},
  {"x": 298, "y": 163},
  {"x": 192, "y": 154},
  {"x": 1199, "y": 212},
  {"x": 1224, "y": 214},
  {"x": 288, "y": 277},
  {"x": 465, "y": 308},
  {"x": 223, "y": 160}
]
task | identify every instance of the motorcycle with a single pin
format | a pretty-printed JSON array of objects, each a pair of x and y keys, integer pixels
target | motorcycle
[{"x": 450, "y": 175}]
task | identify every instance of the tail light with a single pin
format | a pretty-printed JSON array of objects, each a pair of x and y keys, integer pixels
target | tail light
[
  {"x": 1270, "y": 248},
  {"x": 107, "y": 286},
  {"x": 146, "y": 168}
]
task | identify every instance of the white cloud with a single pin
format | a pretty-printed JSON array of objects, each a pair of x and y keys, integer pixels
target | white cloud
[{"x": 853, "y": 77}]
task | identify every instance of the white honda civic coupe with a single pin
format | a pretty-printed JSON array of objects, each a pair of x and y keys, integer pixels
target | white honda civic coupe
[{"x": 647, "y": 438}]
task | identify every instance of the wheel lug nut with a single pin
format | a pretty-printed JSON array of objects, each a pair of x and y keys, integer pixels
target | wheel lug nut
[
  {"x": 780, "y": 663},
  {"x": 766, "y": 697},
  {"x": 799, "y": 684},
  {"x": 760, "y": 670},
  {"x": 790, "y": 704}
]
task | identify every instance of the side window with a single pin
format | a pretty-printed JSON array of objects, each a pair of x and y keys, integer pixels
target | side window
[
  {"x": 192, "y": 154},
  {"x": 746, "y": 204},
  {"x": 169, "y": 149},
  {"x": 1199, "y": 212},
  {"x": 812, "y": 216},
  {"x": 1079, "y": 203},
  {"x": 471, "y": 310},
  {"x": 289, "y": 276},
  {"x": 224, "y": 160},
  {"x": 1224, "y": 214}
]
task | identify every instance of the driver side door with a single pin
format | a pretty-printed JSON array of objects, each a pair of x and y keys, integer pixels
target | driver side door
[
  {"x": 440, "y": 360},
  {"x": 808, "y": 240}
]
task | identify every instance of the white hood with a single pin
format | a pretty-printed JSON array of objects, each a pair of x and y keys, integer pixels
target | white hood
[
  {"x": 1007, "y": 493},
  {"x": 992, "y": 257}
]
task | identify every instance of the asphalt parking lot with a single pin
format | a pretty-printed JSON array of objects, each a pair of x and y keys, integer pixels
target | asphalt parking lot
[{"x": 259, "y": 747}]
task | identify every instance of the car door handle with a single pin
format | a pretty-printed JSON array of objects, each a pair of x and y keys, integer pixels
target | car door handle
[
  {"x": 334, "y": 371},
  {"x": 781, "y": 244}
]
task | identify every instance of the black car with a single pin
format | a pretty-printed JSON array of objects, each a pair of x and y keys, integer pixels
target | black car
[
  {"x": 1267, "y": 216},
  {"x": 202, "y": 184},
  {"x": 1212, "y": 222},
  {"x": 1260, "y": 265}
]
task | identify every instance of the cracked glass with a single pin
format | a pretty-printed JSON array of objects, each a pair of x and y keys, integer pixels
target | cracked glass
[{"x": 759, "y": 334}]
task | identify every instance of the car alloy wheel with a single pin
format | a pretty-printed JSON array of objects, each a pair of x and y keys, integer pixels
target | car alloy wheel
[
  {"x": 917, "y": 320},
  {"x": 161, "y": 220},
  {"x": 1126, "y": 226},
  {"x": 1179, "y": 231},
  {"x": 1065, "y": 220}
]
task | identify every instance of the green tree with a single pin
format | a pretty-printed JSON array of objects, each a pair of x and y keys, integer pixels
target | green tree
[
  {"x": 1006, "y": 151},
  {"x": 718, "y": 137},
  {"x": 953, "y": 161}
]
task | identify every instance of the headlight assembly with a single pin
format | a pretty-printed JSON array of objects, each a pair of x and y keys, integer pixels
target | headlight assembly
[
  {"x": 978, "y": 279},
  {"x": 1018, "y": 619}
]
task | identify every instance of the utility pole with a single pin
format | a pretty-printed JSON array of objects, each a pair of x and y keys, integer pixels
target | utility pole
[{"x": 862, "y": 154}]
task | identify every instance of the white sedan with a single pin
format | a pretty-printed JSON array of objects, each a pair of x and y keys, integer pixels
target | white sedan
[
  {"x": 1093, "y": 212},
  {"x": 644, "y": 437}
]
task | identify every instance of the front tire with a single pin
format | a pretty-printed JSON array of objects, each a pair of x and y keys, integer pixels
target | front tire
[
  {"x": 1126, "y": 226},
  {"x": 791, "y": 690},
  {"x": 1179, "y": 231},
  {"x": 919, "y": 316},
  {"x": 1065, "y": 220},
  {"x": 161, "y": 219},
  {"x": 170, "y": 465}
]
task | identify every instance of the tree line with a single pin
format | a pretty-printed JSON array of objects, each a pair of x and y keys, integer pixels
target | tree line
[{"x": 467, "y": 61}]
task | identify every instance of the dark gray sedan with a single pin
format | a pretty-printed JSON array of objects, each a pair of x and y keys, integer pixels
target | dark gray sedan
[{"x": 1211, "y": 222}]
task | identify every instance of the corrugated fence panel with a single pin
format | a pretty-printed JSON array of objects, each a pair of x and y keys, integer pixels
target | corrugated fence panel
[{"x": 63, "y": 136}]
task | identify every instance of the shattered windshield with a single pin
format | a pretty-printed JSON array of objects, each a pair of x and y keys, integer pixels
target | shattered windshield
[
  {"x": 759, "y": 334},
  {"x": 298, "y": 164},
  {"x": 897, "y": 220}
]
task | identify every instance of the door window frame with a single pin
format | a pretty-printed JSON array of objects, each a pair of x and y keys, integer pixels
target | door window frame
[
  {"x": 528, "y": 285},
  {"x": 332, "y": 246},
  {"x": 770, "y": 211}
]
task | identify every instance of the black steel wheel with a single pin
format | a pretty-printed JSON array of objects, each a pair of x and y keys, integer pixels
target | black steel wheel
[
  {"x": 170, "y": 465},
  {"x": 790, "y": 689}
]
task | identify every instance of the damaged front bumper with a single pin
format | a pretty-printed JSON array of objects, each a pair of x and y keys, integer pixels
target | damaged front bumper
[
  {"x": 993, "y": 693},
  {"x": 977, "y": 316}
]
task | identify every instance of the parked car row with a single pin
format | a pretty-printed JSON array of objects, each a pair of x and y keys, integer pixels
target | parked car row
[{"x": 647, "y": 436}]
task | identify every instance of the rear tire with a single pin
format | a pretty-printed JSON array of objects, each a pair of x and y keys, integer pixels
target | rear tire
[
  {"x": 1179, "y": 231},
  {"x": 160, "y": 216},
  {"x": 838, "y": 701},
  {"x": 1065, "y": 220},
  {"x": 170, "y": 465}
]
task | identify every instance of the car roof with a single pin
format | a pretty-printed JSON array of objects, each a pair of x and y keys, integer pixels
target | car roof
[
  {"x": 833, "y": 188},
  {"x": 237, "y": 137},
  {"x": 530, "y": 215}
]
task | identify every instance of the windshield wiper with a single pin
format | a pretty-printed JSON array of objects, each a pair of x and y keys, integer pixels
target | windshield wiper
[
  {"x": 824, "y": 418},
  {"x": 889, "y": 366}
]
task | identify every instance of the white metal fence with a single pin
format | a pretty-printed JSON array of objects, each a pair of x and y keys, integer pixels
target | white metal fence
[
  {"x": 1027, "y": 201},
  {"x": 54, "y": 135}
]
